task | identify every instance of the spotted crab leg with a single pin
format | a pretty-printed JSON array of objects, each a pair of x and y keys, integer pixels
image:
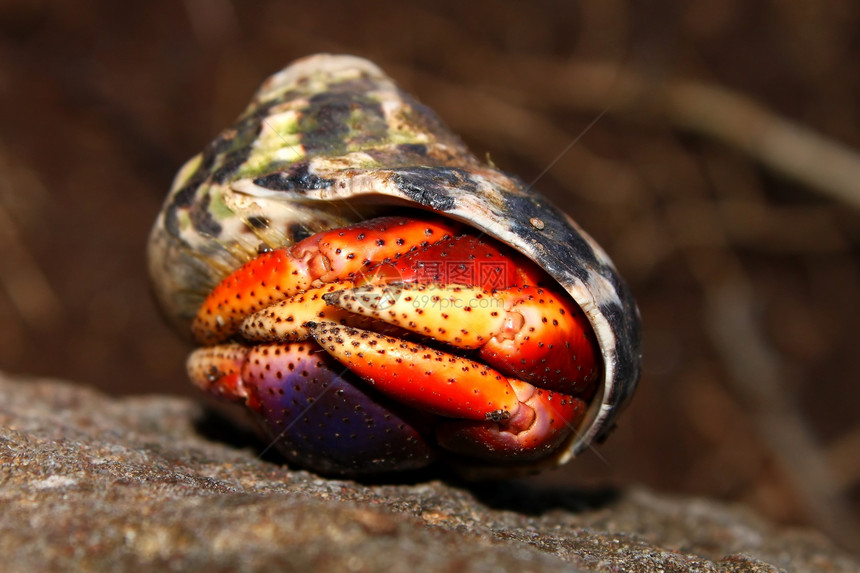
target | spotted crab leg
[
  {"x": 526, "y": 332},
  {"x": 319, "y": 259},
  {"x": 497, "y": 417},
  {"x": 316, "y": 410}
]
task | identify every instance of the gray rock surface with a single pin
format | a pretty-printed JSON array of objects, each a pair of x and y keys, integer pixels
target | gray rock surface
[{"x": 93, "y": 483}]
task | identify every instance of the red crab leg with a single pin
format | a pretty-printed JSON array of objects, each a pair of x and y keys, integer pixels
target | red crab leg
[
  {"x": 506, "y": 418},
  {"x": 321, "y": 258},
  {"x": 526, "y": 332}
]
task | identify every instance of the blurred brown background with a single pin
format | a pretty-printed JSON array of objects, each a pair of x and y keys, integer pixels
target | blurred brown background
[{"x": 722, "y": 179}]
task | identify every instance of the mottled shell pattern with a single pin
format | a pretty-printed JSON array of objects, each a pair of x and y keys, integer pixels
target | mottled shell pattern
[{"x": 331, "y": 140}]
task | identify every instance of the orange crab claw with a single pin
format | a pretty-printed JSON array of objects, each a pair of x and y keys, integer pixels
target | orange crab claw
[
  {"x": 500, "y": 418},
  {"x": 257, "y": 283},
  {"x": 321, "y": 258},
  {"x": 526, "y": 332}
]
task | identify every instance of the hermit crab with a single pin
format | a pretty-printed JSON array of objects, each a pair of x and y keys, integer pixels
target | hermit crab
[{"x": 377, "y": 298}]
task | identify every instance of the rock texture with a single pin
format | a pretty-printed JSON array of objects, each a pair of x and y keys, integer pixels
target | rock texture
[{"x": 93, "y": 483}]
